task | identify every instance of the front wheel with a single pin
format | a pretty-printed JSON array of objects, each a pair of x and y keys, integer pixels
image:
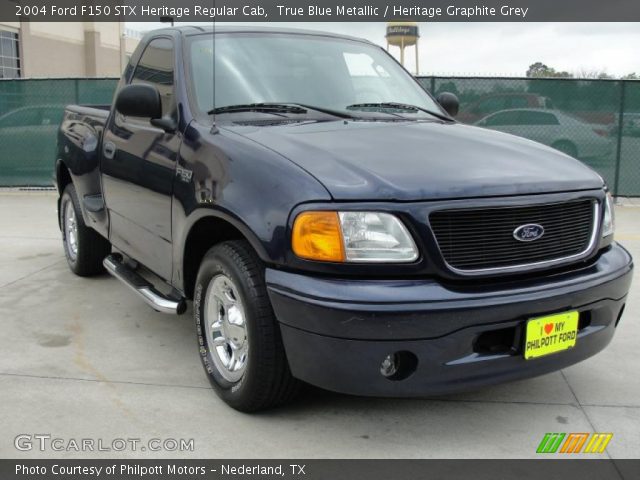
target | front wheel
[
  {"x": 239, "y": 338},
  {"x": 84, "y": 248}
]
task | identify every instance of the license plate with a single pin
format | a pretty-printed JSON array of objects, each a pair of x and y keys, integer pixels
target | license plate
[{"x": 551, "y": 334}]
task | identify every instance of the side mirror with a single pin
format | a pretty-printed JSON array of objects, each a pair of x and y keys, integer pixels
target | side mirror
[
  {"x": 449, "y": 102},
  {"x": 139, "y": 100}
]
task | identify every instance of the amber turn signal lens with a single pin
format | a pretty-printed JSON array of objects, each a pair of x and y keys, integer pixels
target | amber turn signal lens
[{"x": 317, "y": 236}]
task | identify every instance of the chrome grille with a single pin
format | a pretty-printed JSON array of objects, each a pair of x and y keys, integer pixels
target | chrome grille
[{"x": 480, "y": 239}]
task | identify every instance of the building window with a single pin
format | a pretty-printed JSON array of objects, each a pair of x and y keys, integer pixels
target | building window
[{"x": 9, "y": 55}]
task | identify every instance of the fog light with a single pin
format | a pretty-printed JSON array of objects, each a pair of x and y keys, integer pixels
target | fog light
[
  {"x": 398, "y": 365},
  {"x": 389, "y": 365}
]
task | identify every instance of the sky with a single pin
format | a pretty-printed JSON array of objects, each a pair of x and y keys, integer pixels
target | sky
[{"x": 501, "y": 49}]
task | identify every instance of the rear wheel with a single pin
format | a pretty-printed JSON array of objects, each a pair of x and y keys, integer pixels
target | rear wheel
[
  {"x": 84, "y": 248},
  {"x": 239, "y": 338}
]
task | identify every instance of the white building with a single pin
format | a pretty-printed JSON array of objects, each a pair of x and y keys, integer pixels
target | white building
[{"x": 64, "y": 49}]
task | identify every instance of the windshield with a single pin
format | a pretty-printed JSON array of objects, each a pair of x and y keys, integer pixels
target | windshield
[{"x": 325, "y": 72}]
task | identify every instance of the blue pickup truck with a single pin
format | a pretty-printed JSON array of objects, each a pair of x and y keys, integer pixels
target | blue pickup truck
[{"x": 332, "y": 223}]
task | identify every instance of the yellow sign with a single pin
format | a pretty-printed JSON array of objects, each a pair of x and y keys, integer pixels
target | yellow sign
[{"x": 551, "y": 334}]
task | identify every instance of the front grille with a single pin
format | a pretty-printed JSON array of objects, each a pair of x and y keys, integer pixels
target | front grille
[{"x": 483, "y": 238}]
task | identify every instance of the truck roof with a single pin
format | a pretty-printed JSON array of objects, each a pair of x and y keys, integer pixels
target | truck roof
[{"x": 189, "y": 30}]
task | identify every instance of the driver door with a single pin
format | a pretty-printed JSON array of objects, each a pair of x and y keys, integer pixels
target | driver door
[{"x": 138, "y": 168}]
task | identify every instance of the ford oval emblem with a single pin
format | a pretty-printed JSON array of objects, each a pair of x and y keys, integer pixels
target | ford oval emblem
[{"x": 528, "y": 232}]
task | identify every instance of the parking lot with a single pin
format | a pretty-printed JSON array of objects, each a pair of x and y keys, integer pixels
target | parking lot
[{"x": 84, "y": 358}]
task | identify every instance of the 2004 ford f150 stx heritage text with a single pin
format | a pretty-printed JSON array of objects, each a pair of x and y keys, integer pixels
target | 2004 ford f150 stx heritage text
[{"x": 332, "y": 223}]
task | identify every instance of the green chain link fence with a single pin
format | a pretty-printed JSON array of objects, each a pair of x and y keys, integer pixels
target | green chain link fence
[
  {"x": 597, "y": 121},
  {"x": 30, "y": 114}
]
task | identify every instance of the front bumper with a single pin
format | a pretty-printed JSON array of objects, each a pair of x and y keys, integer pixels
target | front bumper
[{"x": 337, "y": 332}]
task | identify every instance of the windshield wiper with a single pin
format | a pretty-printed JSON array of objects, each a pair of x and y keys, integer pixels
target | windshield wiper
[
  {"x": 398, "y": 106},
  {"x": 328, "y": 111},
  {"x": 259, "y": 107},
  {"x": 276, "y": 108}
]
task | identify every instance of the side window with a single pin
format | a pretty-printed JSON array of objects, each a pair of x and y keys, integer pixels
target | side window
[
  {"x": 540, "y": 118},
  {"x": 505, "y": 118},
  {"x": 549, "y": 119},
  {"x": 156, "y": 68}
]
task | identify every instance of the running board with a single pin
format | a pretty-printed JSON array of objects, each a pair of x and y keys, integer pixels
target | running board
[{"x": 145, "y": 290}]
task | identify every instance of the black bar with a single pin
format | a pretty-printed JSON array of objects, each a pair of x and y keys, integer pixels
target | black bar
[
  {"x": 323, "y": 11},
  {"x": 616, "y": 183},
  {"x": 551, "y": 79},
  {"x": 546, "y": 469},
  {"x": 76, "y": 89}
]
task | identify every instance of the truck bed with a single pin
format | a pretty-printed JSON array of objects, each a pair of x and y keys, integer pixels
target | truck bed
[{"x": 79, "y": 143}]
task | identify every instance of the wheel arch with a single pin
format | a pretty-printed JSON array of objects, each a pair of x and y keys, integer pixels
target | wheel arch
[
  {"x": 63, "y": 178},
  {"x": 208, "y": 228}
]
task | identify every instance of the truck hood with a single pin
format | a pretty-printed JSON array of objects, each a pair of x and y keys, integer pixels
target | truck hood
[{"x": 360, "y": 160}]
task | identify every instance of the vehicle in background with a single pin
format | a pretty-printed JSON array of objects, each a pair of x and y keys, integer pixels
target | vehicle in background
[
  {"x": 630, "y": 125},
  {"x": 27, "y": 135},
  {"x": 472, "y": 112},
  {"x": 557, "y": 129}
]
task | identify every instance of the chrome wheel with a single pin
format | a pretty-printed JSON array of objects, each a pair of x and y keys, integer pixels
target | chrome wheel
[
  {"x": 71, "y": 230},
  {"x": 225, "y": 328}
]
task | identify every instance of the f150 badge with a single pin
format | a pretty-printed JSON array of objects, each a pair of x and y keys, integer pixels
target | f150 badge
[{"x": 184, "y": 174}]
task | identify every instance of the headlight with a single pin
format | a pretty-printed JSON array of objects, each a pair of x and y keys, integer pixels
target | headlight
[
  {"x": 376, "y": 237},
  {"x": 608, "y": 222},
  {"x": 352, "y": 237}
]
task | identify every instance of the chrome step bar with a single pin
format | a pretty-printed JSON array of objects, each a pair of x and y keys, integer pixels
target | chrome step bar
[{"x": 145, "y": 290}]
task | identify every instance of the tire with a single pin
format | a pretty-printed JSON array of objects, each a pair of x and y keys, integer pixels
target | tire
[
  {"x": 567, "y": 148},
  {"x": 84, "y": 248},
  {"x": 238, "y": 336}
]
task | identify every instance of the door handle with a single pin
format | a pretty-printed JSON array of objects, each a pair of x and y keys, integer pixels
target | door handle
[{"x": 109, "y": 150}]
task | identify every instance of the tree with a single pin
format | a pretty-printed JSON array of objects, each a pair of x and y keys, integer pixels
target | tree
[
  {"x": 540, "y": 70},
  {"x": 537, "y": 70},
  {"x": 593, "y": 74}
]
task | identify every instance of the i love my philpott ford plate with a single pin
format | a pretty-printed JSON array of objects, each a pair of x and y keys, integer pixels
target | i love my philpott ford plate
[{"x": 550, "y": 334}]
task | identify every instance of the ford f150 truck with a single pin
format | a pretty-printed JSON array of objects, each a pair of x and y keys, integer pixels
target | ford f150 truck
[{"x": 332, "y": 223}]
